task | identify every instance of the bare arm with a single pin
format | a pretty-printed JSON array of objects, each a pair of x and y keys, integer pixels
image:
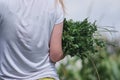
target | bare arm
[{"x": 56, "y": 52}]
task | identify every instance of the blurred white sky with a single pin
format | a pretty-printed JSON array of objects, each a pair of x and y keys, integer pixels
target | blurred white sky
[{"x": 106, "y": 12}]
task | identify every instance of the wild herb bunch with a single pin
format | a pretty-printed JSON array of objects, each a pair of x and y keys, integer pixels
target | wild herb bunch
[{"x": 78, "y": 38}]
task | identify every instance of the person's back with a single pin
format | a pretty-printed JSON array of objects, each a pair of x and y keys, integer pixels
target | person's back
[{"x": 25, "y": 31}]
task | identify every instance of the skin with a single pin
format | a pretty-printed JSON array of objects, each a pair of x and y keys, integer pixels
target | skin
[{"x": 56, "y": 53}]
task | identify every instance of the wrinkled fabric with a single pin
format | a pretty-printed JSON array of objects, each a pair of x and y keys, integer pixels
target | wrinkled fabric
[{"x": 25, "y": 30}]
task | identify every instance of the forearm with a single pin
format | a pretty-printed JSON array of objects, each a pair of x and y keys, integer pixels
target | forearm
[{"x": 56, "y": 56}]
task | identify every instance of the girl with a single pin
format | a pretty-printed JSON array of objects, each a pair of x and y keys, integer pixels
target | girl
[{"x": 30, "y": 39}]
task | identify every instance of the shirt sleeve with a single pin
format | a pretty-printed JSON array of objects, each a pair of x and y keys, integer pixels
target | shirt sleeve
[{"x": 59, "y": 14}]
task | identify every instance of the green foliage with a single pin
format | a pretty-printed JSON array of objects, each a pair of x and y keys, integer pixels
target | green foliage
[
  {"x": 108, "y": 67},
  {"x": 79, "y": 39}
]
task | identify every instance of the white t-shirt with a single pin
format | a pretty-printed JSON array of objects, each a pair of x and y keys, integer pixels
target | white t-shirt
[{"x": 25, "y": 30}]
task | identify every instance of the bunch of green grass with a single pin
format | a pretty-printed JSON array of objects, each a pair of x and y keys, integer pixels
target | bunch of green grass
[{"x": 79, "y": 38}]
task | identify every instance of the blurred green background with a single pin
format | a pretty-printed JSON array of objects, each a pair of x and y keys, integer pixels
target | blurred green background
[{"x": 107, "y": 63}]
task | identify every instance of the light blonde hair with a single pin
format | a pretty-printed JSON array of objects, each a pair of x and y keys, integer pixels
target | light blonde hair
[{"x": 62, "y": 4}]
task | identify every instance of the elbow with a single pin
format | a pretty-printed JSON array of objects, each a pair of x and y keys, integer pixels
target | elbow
[{"x": 56, "y": 56}]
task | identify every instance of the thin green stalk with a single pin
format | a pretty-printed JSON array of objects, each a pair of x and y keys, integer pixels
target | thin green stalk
[{"x": 95, "y": 68}]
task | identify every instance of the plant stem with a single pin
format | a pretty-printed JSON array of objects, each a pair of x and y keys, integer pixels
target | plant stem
[{"x": 93, "y": 63}]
